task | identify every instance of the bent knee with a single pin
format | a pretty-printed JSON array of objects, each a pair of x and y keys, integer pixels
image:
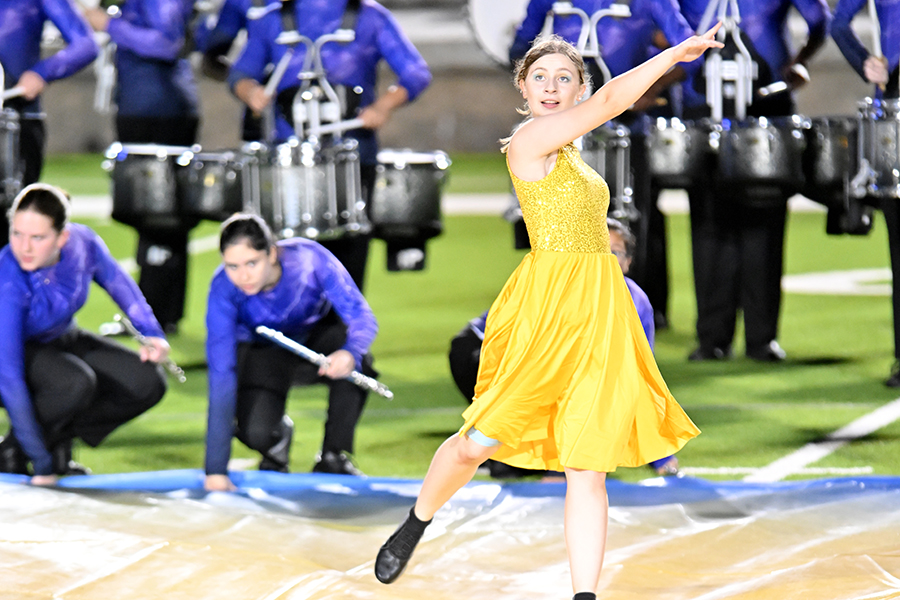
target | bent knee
[{"x": 470, "y": 451}]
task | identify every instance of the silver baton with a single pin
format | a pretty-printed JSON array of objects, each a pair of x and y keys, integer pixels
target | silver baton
[
  {"x": 363, "y": 381},
  {"x": 168, "y": 363}
]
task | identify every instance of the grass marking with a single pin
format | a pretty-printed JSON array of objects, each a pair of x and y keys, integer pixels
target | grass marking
[{"x": 810, "y": 453}]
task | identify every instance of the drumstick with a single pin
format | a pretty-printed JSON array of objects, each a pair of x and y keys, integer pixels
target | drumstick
[
  {"x": 363, "y": 381},
  {"x": 334, "y": 127},
  {"x": 876, "y": 37},
  {"x": 168, "y": 363},
  {"x": 13, "y": 92}
]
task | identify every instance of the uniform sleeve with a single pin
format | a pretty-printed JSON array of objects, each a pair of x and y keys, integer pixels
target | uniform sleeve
[
  {"x": 122, "y": 289},
  {"x": 216, "y": 34},
  {"x": 251, "y": 63},
  {"x": 13, "y": 387},
  {"x": 817, "y": 16},
  {"x": 668, "y": 18},
  {"x": 530, "y": 28},
  {"x": 221, "y": 357},
  {"x": 80, "y": 48},
  {"x": 844, "y": 36},
  {"x": 348, "y": 303},
  {"x": 406, "y": 62},
  {"x": 163, "y": 39}
]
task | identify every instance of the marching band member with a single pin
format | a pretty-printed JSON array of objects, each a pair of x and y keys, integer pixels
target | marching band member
[
  {"x": 157, "y": 103},
  {"x": 567, "y": 380},
  {"x": 626, "y": 43},
  {"x": 883, "y": 72},
  {"x": 737, "y": 232},
  {"x": 353, "y": 65},
  {"x": 20, "y": 55},
  {"x": 297, "y": 287},
  {"x": 59, "y": 382}
]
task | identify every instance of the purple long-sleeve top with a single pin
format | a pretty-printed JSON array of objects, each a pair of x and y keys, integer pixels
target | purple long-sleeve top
[
  {"x": 40, "y": 306},
  {"x": 851, "y": 47},
  {"x": 312, "y": 282},
  {"x": 21, "y": 27},
  {"x": 154, "y": 78},
  {"x": 765, "y": 23},
  {"x": 354, "y": 65},
  {"x": 624, "y": 43}
]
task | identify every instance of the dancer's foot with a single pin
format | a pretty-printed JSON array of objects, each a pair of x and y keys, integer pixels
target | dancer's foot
[{"x": 396, "y": 552}]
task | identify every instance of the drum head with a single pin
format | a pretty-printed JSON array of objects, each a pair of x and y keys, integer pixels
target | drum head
[{"x": 494, "y": 23}]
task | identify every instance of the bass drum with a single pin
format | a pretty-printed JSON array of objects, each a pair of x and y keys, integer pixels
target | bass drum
[{"x": 494, "y": 23}]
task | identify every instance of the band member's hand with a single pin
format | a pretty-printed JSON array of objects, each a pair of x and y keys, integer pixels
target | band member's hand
[
  {"x": 218, "y": 483},
  {"x": 374, "y": 117},
  {"x": 340, "y": 365},
  {"x": 876, "y": 70},
  {"x": 156, "y": 350},
  {"x": 32, "y": 85},
  {"x": 44, "y": 480},
  {"x": 795, "y": 75},
  {"x": 97, "y": 18},
  {"x": 253, "y": 95},
  {"x": 694, "y": 47}
]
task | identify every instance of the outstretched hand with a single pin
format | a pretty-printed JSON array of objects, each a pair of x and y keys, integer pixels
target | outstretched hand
[{"x": 694, "y": 47}]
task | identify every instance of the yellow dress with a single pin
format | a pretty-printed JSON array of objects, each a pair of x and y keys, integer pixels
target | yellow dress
[{"x": 567, "y": 377}]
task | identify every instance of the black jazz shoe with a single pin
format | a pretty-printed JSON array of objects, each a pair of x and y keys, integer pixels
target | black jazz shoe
[
  {"x": 894, "y": 380},
  {"x": 337, "y": 463},
  {"x": 396, "y": 552}
]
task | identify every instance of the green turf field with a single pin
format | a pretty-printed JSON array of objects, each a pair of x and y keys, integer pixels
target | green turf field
[{"x": 839, "y": 351}]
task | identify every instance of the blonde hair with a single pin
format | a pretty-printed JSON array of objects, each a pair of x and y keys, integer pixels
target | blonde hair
[{"x": 543, "y": 46}]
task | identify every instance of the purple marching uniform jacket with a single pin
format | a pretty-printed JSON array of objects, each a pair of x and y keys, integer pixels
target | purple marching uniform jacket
[
  {"x": 39, "y": 306},
  {"x": 856, "y": 54},
  {"x": 21, "y": 28},
  {"x": 312, "y": 283},
  {"x": 354, "y": 65}
]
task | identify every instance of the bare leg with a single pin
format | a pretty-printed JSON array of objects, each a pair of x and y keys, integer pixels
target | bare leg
[
  {"x": 453, "y": 466},
  {"x": 587, "y": 515}
]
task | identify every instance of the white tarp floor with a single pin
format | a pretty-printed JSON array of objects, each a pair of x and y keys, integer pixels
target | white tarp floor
[{"x": 157, "y": 535}]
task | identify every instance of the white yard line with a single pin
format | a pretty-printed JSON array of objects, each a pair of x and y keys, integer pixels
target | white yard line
[{"x": 810, "y": 453}]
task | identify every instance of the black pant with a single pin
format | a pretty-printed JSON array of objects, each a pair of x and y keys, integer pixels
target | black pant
[
  {"x": 737, "y": 239},
  {"x": 32, "y": 143},
  {"x": 649, "y": 267},
  {"x": 892, "y": 219},
  {"x": 83, "y": 385},
  {"x": 265, "y": 375},
  {"x": 465, "y": 356},
  {"x": 162, "y": 252}
]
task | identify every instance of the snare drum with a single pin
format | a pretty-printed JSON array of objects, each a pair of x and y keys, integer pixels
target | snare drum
[
  {"x": 315, "y": 192},
  {"x": 406, "y": 202},
  {"x": 829, "y": 160},
  {"x": 607, "y": 150},
  {"x": 211, "y": 184},
  {"x": 879, "y": 145},
  {"x": 10, "y": 169},
  {"x": 766, "y": 151},
  {"x": 677, "y": 152},
  {"x": 145, "y": 190}
]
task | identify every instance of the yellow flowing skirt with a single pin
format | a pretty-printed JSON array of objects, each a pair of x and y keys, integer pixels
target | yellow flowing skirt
[{"x": 567, "y": 377}]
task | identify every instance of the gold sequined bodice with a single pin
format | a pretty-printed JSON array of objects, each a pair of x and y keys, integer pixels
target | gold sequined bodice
[{"x": 566, "y": 210}]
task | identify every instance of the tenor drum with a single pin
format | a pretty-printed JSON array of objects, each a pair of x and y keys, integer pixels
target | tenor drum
[
  {"x": 765, "y": 151},
  {"x": 315, "y": 192},
  {"x": 879, "y": 145},
  {"x": 145, "y": 189},
  {"x": 677, "y": 152},
  {"x": 10, "y": 169},
  {"x": 406, "y": 202},
  {"x": 607, "y": 150},
  {"x": 211, "y": 184},
  {"x": 829, "y": 160},
  {"x": 494, "y": 24}
]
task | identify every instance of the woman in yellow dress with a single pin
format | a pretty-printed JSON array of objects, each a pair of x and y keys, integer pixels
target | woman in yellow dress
[{"x": 567, "y": 379}]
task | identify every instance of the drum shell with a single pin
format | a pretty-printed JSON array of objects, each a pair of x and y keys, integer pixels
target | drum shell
[
  {"x": 406, "y": 202},
  {"x": 211, "y": 184},
  {"x": 830, "y": 158},
  {"x": 607, "y": 150},
  {"x": 10, "y": 166},
  {"x": 315, "y": 192},
  {"x": 765, "y": 151},
  {"x": 879, "y": 140},
  {"x": 145, "y": 189},
  {"x": 677, "y": 152}
]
